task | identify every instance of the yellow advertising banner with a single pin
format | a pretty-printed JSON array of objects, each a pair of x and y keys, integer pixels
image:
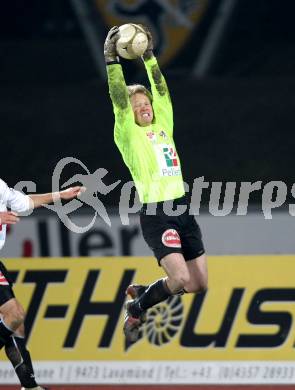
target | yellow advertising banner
[
  {"x": 78, "y": 305},
  {"x": 75, "y": 313}
]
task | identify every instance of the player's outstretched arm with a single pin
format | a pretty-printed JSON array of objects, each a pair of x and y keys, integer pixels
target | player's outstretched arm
[
  {"x": 37, "y": 200},
  {"x": 156, "y": 78},
  {"x": 8, "y": 218},
  {"x": 150, "y": 47},
  {"x": 161, "y": 98},
  {"x": 116, "y": 81}
]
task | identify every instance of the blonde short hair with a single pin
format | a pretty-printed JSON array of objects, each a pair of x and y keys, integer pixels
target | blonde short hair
[{"x": 138, "y": 88}]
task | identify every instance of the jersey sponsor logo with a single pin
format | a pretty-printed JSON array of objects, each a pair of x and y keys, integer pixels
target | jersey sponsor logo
[
  {"x": 168, "y": 160},
  {"x": 3, "y": 281},
  {"x": 171, "y": 239},
  {"x": 171, "y": 171},
  {"x": 170, "y": 157}
]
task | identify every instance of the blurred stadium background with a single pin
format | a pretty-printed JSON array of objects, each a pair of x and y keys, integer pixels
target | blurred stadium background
[
  {"x": 230, "y": 66},
  {"x": 231, "y": 82}
]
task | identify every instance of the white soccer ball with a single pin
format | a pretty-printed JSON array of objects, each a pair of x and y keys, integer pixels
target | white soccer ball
[{"x": 132, "y": 42}]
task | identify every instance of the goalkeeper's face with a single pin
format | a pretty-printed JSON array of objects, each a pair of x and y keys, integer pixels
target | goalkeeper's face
[{"x": 142, "y": 108}]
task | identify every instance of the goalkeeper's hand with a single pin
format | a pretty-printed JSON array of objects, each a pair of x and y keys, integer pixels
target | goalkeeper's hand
[
  {"x": 109, "y": 49},
  {"x": 150, "y": 47}
]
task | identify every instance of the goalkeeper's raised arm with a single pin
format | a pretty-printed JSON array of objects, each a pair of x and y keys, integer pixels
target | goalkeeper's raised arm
[
  {"x": 156, "y": 78},
  {"x": 162, "y": 105},
  {"x": 116, "y": 81}
]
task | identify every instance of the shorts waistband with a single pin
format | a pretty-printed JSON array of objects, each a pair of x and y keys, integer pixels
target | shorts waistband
[{"x": 161, "y": 206}]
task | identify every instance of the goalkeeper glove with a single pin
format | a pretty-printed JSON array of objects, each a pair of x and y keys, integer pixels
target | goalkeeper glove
[{"x": 109, "y": 49}]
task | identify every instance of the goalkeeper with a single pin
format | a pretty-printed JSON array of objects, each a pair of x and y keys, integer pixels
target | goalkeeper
[{"x": 144, "y": 135}]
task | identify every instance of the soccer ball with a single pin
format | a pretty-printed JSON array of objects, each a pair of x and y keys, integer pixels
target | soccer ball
[{"x": 132, "y": 42}]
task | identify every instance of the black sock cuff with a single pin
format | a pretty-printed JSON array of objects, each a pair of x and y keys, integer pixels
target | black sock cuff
[{"x": 155, "y": 293}]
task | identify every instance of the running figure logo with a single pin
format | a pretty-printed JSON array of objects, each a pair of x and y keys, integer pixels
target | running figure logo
[{"x": 95, "y": 187}]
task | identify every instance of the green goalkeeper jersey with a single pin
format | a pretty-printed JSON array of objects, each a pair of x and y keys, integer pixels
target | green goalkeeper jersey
[{"x": 148, "y": 151}]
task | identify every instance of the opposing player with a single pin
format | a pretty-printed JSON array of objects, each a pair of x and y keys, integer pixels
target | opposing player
[
  {"x": 12, "y": 315},
  {"x": 144, "y": 135}
]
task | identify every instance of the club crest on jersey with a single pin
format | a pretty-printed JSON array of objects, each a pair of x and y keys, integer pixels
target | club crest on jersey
[
  {"x": 171, "y": 239},
  {"x": 151, "y": 135}
]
